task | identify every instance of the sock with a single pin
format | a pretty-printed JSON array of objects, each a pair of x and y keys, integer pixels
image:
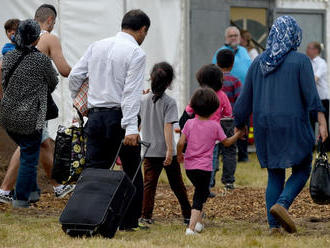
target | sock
[{"x": 4, "y": 192}]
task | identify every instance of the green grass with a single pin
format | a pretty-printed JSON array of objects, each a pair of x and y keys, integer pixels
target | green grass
[{"x": 22, "y": 230}]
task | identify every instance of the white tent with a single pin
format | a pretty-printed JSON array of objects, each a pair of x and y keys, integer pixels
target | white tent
[{"x": 81, "y": 22}]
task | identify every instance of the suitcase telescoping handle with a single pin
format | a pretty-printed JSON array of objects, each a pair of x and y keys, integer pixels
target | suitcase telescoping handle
[{"x": 146, "y": 144}]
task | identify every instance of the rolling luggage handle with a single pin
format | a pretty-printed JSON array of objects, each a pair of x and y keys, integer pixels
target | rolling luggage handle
[{"x": 146, "y": 144}]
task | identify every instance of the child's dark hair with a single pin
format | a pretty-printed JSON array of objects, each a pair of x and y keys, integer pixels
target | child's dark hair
[
  {"x": 210, "y": 76},
  {"x": 204, "y": 102},
  {"x": 225, "y": 58},
  {"x": 11, "y": 24},
  {"x": 161, "y": 76}
]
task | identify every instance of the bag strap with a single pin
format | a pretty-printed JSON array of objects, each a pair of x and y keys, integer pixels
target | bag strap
[
  {"x": 81, "y": 117},
  {"x": 13, "y": 69},
  {"x": 321, "y": 151},
  {"x": 320, "y": 147},
  {"x": 146, "y": 144}
]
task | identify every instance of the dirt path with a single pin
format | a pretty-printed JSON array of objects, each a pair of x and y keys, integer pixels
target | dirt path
[{"x": 246, "y": 203}]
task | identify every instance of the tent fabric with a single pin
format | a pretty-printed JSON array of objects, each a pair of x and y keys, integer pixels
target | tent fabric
[{"x": 79, "y": 23}]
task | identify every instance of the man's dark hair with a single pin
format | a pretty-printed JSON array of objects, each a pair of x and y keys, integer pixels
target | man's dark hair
[
  {"x": 204, "y": 102},
  {"x": 225, "y": 58},
  {"x": 210, "y": 76},
  {"x": 135, "y": 19},
  {"x": 11, "y": 24},
  {"x": 45, "y": 11}
]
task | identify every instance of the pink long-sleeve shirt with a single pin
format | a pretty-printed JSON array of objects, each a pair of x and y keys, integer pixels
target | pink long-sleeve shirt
[{"x": 224, "y": 109}]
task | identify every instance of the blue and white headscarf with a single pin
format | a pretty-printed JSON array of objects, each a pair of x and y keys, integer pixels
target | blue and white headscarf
[{"x": 285, "y": 36}]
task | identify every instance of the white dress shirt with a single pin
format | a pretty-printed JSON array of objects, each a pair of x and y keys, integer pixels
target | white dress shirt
[
  {"x": 321, "y": 72},
  {"x": 115, "y": 67}
]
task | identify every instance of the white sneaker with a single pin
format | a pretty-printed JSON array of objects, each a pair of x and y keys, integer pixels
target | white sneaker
[
  {"x": 199, "y": 227},
  {"x": 189, "y": 232},
  {"x": 63, "y": 190}
]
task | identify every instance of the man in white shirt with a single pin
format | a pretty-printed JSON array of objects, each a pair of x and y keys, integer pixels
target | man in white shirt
[
  {"x": 115, "y": 67},
  {"x": 320, "y": 69}
]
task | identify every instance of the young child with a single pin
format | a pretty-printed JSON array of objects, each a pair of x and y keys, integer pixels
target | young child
[
  {"x": 158, "y": 114},
  {"x": 10, "y": 26},
  {"x": 210, "y": 76},
  {"x": 201, "y": 135},
  {"x": 232, "y": 87}
]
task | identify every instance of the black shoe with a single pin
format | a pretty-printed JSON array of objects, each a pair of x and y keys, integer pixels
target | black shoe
[
  {"x": 229, "y": 186},
  {"x": 212, "y": 195},
  {"x": 145, "y": 221}
]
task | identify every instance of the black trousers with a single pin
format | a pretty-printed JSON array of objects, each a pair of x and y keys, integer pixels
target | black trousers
[
  {"x": 201, "y": 181},
  {"x": 313, "y": 118},
  {"x": 104, "y": 135}
]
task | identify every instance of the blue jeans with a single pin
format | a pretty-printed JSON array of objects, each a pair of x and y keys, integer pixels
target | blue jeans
[
  {"x": 279, "y": 192},
  {"x": 215, "y": 164},
  {"x": 27, "y": 173}
]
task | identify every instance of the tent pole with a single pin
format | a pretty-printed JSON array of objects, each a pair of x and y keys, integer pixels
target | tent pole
[{"x": 124, "y": 6}]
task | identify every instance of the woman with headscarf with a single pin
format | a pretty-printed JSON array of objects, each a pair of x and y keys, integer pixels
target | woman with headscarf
[
  {"x": 27, "y": 77},
  {"x": 280, "y": 91}
]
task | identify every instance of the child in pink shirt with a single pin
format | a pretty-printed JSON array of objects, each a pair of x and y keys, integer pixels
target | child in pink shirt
[
  {"x": 212, "y": 77},
  {"x": 201, "y": 135}
]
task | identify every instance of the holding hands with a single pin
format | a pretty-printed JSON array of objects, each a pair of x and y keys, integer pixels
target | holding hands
[{"x": 241, "y": 132}]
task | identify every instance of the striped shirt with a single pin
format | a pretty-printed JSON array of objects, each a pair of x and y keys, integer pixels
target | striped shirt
[{"x": 232, "y": 87}]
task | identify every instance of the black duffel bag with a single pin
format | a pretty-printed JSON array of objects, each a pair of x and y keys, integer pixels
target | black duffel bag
[{"x": 320, "y": 181}]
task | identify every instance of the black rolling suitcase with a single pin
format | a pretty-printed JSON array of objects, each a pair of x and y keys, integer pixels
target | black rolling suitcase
[{"x": 99, "y": 201}]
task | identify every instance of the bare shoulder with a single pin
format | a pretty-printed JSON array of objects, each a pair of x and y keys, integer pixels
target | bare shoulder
[{"x": 49, "y": 38}]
